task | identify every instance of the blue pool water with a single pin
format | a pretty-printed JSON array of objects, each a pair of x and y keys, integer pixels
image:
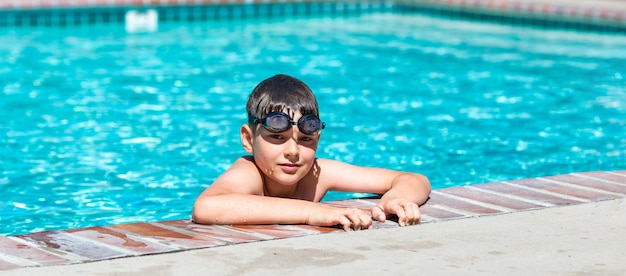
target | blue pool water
[{"x": 101, "y": 127}]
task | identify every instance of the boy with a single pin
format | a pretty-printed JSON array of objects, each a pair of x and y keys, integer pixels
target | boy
[{"x": 282, "y": 182}]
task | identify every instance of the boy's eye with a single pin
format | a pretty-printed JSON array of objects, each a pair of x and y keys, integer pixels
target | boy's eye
[
  {"x": 306, "y": 139},
  {"x": 276, "y": 136}
]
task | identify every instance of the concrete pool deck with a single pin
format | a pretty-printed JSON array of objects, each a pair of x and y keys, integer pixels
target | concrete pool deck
[{"x": 564, "y": 224}]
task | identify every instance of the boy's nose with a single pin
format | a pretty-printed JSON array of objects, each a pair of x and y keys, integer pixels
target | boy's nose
[{"x": 291, "y": 147}]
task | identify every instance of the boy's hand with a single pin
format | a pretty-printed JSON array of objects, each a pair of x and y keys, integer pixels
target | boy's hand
[
  {"x": 348, "y": 218},
  {"x": 408, "y": 212}
]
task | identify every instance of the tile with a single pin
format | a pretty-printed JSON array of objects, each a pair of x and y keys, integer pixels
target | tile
[
  {"x": 440, "y": 214},
  {"x": 609, "y": 176},
  {"x": 160, "y": 233},
  {"x": 353, "y": 203},
  {"x": 214, "y": 231},
  {"x": 4, "y": 265},
  {"x": 123, "y": 241},
  {"x": 592, "y": 183},
  {"x": 491, "y": 198},
  {"x": 69, "y": 3},
  {"x": 100, "y": 2},
  {"x": 62, "y": 242},
  {"x": 151, "y": 2},
  {"x": 438, "y": 197},
  {"x": 14, "y": 248},
  {"x": 274, "y": 231},
  {"x": 318, "y": 229},
  {"x": 526, "y": 193},
  {"x": 369, "y": 202},
  {"x": 562, "y": 189}
]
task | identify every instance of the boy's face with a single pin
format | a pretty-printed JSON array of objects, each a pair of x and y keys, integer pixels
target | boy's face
[{"x": 284, "y": 157}]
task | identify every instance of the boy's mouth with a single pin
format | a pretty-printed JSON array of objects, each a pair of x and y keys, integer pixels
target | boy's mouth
[{"x": 289, "y": 167}]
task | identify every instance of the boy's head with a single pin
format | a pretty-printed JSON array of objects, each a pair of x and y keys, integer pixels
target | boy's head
[
  {"x": 282, "y": 93},
  {"x": 283, "y": 152}
]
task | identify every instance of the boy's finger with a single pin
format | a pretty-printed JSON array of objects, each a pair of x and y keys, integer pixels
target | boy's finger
[
  {"x": 409, "y": 214},
  {"x": 346, "y": 223},
  {"x": 366, "y": 221},
  {"x": 355, "y": 221},
  {"x": 412, "y": 214},
  {"x": 360, "y": 220},
  {"x": 379, "y": 214},
  {"x": 401, "y": 216},
  {"x": 416, "y": 215}
]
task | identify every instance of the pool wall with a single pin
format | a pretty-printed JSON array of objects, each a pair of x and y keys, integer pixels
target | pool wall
[{"x": 581, "y": 14}]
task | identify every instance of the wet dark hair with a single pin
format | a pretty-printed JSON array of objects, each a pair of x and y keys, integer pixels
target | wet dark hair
[{"x": 278, "y": 93}]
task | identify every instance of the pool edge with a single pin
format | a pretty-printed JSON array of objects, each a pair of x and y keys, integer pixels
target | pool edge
[{"x": 83, "y": 245}]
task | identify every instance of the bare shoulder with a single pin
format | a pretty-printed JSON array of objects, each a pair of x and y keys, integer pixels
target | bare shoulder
[
  {"x": 244, "y": 162},
  {"x": 242, "y": 177}
]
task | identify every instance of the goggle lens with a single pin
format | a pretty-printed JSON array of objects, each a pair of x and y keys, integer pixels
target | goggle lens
[{"x": 276, "y": 122}]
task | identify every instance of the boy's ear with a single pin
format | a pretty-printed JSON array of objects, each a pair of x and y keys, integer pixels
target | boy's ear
[{"x": 246, "y": 138}]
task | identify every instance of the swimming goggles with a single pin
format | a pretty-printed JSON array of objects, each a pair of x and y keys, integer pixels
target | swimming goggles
[{"x": 276, "y": 122}]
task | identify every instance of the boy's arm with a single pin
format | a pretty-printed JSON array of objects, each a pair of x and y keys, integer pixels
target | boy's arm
[
  {"x": 229, "y": 200},
  {"x": 402, "y": 192},
  {"x": 235, "y": 208}
]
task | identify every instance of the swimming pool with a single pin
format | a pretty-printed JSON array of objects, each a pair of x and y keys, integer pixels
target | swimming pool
[{"x": 103, "y": 127}]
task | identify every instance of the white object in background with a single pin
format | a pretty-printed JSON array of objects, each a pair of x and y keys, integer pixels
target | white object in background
[{"x": 142, "y": 21}]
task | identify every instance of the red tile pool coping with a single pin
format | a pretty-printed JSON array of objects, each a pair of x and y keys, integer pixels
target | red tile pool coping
[{"x": 127, "y": 240}]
